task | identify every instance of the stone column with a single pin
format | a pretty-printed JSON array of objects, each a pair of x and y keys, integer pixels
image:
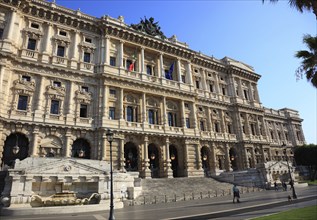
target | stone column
[
  {"x": 35, "y": 143},
  {"x": 105, "y": 101},
  {"x": 161, "y": 66},
  {"x": 198, "y": 157},
  {"x": 104, "y": 147},
  {"x": 189, "y": 76},
  {"x": 120, "y": 54},
  {"x": 144, "y": 108},
  {"x": 11, "y": 26},
  {"x": 147, "y": 171},
  {"x": 194, "y": 117},
  {"x": 122, "y": 164},
  {"x": 164, "y": 114},
  {"x": 217, "y": 84},
  {"x": 2, "y": 72},
  {"x": 74, "y": 56},
  {"x": 179, "y": 72},
  {"x": 213, "y": 158},
  {"x": 209, "y": 123},
  {"x": 183, "y": 117},
  {"x": 142, "y": 61},
  {"x": 47, "y": 50},
  {"x": 222, "y": 123},
  {"x": 107, "y": 52},
  {"x": 250, "y": 92},
  {"x": 227, "y": 157},
  {"x": 67, "y": 144},
  {"x": 71, "y": 108},
  {"x": 121, "y": 116},
  {"x": 39, "y": 108},
  {"x": 203, "y": 73},
  {"x": 168, "y": 169},
  {"x": 246, "y": 161}
]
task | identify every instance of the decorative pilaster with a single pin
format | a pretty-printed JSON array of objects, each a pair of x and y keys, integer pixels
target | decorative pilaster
[
  {"x": 47, "y": 49},
  {"x": 122, "y": 164},
  {"x": 161, "y": 66},
  {"x": 189, "y": 78},
  {"x": 144, "y": 108},
  {"x": 104, "y": 147},
  {"x": 227, "y": 157},
  {"x": 183, "y": 119},
  {"x": 120, "y": 54},
  {"x": 67, "y": 144},
  {"x": 74, "y": 58}
]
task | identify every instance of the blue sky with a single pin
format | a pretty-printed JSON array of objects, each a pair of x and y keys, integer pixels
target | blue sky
[{"x": 265, "y": 36}]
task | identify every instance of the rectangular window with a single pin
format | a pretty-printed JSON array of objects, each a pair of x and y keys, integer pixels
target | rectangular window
[
  {"x": 83, "y": 111},
  {"x": 63, "y": 33},
  {"x": 84, "y": 89},
  {"x": 229, "y": 129},
  {"x": 1, "y": 33},
  {"x": 86, "y": 57},
  {"x": 129, "y": 113},
  {"x": 57, "y": 84},
  {"x": 26, "y": 78},
  {"x": 211, "y": 87},
  {"x": 112, "y": 111},
  {"x": 197, "y": 84},
  {"x": 128, "y": 65},
  {"x": 112, "y": 61},
  {"x": 216, "y": 127},
  {"x": 223, "y": 91},
  {"x": 88, "y": 40},
  {"x": 22, "y": 103},
  {"x": 34, "y": 25},
  {"x": 187, "y": 123},
  {"x": 151, "y": 117},
  {"x": 31, "y": 44},
  {"x": 55, "y": 107},
  {"x": 60, "y": 51},
  {"x": 202, "y": 125},
  {"x": 246, "y": 94},
  {"x": 183, "y": 78},
  {"x": 186, "y": 105},
  {"x": 149, "y": 69},
  {"x": 112, "y": 92}
]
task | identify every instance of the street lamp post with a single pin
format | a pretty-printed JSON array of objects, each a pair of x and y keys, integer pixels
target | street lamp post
[
  {"x": 109, "y": 135},
  {"x": 290, "y": 175}
]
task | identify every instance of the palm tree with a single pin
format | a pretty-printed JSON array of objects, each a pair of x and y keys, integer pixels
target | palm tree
[
  {"x": 302, "y": 5},
  {"x": 309, "y": 60}
]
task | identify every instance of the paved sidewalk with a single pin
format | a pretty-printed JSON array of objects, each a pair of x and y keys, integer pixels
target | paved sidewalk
[{"x": 193, "y": 209}]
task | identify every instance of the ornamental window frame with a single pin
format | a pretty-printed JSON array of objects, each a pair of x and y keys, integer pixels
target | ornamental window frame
[
  {"x": 83, "y": 98},
  {"x": 131, "y": 107},
  {"x": 22, "y": 87},
  {"x": 153, "y": 105},
  {"x": 55, "y": 91}
]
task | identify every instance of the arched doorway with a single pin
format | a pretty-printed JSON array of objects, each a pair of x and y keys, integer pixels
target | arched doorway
[
  {"x": 130, "y": 157},
  {"x": 174, "y": 160},
  {"x": 16, "y": 146},
  {"x": 81, "y": 149},
  {"x": 153, "y": 155},
  {"x": 205, "y": 160},
  {"x": 233, "y": 159}
]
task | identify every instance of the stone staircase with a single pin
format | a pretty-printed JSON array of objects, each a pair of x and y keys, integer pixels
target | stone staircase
[{"x": 179, "y": 189}]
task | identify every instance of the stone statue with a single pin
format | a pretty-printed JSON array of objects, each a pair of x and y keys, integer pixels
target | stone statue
[{"x": 150, "y": 27}]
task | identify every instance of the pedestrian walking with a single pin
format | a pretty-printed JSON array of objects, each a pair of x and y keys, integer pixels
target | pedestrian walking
[
  {"x": 275, "y": 186},
  {"x": 236, "y": 193},
  {"x": 284, "y": 186}
]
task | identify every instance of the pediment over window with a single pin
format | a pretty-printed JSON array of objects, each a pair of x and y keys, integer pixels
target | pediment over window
[
  {"x": 152, "y": 102},
  {"x": 24, "y": 87},
  {"x": 56, "y": 92},
  {"x": 130, "y": 99},
  {"x": 33, "y": 33},
  {"x": 84, "y": 97},
  {"x": 171, "y": 105}
]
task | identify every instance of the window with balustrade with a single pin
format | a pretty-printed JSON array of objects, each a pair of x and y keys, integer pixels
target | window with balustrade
[
  {"x": 31, "y": 44},
  {"x": 60, "y": 51},
  {"x": 112, "y": 61},
  {"x": 87, "y": 57}
]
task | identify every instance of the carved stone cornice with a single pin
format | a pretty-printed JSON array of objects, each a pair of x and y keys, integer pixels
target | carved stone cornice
[
  {"x": 24, "y": 87},
  {"x": 32, "y": 33},
  {"x": 55, "y": 92},
  {"x": 83, "y": 97}
]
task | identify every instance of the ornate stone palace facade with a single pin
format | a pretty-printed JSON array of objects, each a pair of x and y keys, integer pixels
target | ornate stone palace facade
[{"x": 66, "y": 77}]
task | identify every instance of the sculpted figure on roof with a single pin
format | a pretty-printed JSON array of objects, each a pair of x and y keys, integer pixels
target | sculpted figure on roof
[{"x": 150, "y": 27}]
